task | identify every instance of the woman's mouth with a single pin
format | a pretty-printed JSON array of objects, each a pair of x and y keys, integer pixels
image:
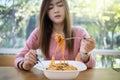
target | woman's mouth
[{"x": 57, "y": 16}]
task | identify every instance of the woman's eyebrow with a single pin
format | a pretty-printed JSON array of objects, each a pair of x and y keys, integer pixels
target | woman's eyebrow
[
  {"x": 50, "y": 4},
  {"x": 56, "y": 3},
  {"x": 59, "y": 2}
]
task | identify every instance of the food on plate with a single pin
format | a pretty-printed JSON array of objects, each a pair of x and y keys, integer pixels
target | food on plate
[{"x": 63, "y": 64}]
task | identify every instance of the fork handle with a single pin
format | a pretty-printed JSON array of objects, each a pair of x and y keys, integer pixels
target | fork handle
[{"x": 73, "y": 38}]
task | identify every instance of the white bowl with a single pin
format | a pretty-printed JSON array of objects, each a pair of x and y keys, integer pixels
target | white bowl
[{"x": 63, "y": 75}]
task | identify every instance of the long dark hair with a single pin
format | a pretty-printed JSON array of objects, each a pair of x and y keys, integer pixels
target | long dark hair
[{"x": 46, "y": 27}]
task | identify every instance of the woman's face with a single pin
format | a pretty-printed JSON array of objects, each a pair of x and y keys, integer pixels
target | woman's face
[{"x": 56, "y": 11}]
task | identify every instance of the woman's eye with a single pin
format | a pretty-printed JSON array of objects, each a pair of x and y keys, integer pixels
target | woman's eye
[
  {"x": 60, "y": 4},
  {"x": 50, "y": 7}
]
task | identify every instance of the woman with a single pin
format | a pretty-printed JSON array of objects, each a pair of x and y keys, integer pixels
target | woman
[{"x": 55, "y": 18}]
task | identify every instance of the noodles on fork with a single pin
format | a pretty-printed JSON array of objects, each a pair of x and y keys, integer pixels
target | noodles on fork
[
  {"x": 61, "y": 43},
  {"x": 61, "y": 65}
]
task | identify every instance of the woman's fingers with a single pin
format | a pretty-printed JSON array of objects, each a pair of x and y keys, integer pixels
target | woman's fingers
[
  {"x": 33, "y": 55},
  {"x": 30, "y": 59},
  {"x": 87, "y": 44}
]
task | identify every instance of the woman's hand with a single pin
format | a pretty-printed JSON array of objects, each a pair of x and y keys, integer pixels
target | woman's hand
[
  {"x": 30, "y": 59},
  {"x": 87, "y": 44}
]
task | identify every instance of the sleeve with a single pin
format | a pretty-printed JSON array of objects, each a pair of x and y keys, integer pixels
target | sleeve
[
  {"x": 31, "y": 43},
  {"x": 91, "y": 62}
]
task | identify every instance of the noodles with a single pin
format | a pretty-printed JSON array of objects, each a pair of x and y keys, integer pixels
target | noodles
[
  {"x": 61, "y": 43},
  {"x": 61, "y": 65}
]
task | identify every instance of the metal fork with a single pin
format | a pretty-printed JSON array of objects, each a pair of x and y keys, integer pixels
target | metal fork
[
  {"x": 39, "y": 59},
  {"x": 82, "y": 37},
  {"x": 40, "y": 62},
  {"x": 73, "y": 38}
]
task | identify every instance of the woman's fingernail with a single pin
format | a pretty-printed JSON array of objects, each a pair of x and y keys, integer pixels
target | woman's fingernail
[
  {"x": 37, "y": 59},
  {"x": 84, "y": 38},
  {"x": 37, "y": 62},
  {"x": 36, "y": 55}
]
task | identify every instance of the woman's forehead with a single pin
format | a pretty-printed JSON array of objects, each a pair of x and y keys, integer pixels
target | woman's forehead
[{"x": 55, "y": 1}]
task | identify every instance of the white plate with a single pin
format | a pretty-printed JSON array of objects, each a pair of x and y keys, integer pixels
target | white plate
[{"x": 62, "y": 75}]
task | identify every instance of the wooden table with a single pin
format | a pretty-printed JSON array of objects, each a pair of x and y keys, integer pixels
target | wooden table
[{"x": 11, "y": 73}]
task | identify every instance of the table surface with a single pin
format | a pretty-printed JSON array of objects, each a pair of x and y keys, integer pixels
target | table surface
[{"x": 11, "y": 73}]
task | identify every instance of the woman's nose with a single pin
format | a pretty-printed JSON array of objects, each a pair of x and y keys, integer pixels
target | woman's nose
[{"x": 56, "y": 10}]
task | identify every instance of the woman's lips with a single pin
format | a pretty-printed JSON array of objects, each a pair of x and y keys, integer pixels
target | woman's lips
[{"x": 57, "y": 16}]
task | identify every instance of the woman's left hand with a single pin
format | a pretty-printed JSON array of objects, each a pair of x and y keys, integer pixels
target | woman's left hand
[{"x": 87, "y": 44}]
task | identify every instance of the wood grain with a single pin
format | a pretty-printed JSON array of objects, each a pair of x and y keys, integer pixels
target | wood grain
[{"x": 7, "y": 60}]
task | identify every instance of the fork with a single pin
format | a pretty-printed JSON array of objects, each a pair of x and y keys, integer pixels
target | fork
[
  {"x": 74, "y": 38},
  {"x": 40, "y": 62},
  {"x": 39, "y": 59}
]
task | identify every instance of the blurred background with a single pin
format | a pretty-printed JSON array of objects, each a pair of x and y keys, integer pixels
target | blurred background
[{"x": 101, "y": 18}]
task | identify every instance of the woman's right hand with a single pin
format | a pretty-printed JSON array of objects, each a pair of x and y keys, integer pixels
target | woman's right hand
[{"x": 30, "y": 59}]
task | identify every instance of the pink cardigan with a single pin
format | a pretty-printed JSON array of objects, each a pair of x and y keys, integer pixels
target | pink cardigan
[{"x": 31, "y": 43}]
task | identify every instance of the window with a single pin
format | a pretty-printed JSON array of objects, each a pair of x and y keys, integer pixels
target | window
[
  {"x": 102, "y": 20},
  {"x": 16, "y": 17}
]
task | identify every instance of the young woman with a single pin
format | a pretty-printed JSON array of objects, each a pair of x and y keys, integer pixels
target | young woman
[{"x": 55, "y": 18}]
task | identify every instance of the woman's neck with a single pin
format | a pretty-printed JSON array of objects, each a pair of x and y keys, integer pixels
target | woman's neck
[{"x": 58, "y": 28}]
